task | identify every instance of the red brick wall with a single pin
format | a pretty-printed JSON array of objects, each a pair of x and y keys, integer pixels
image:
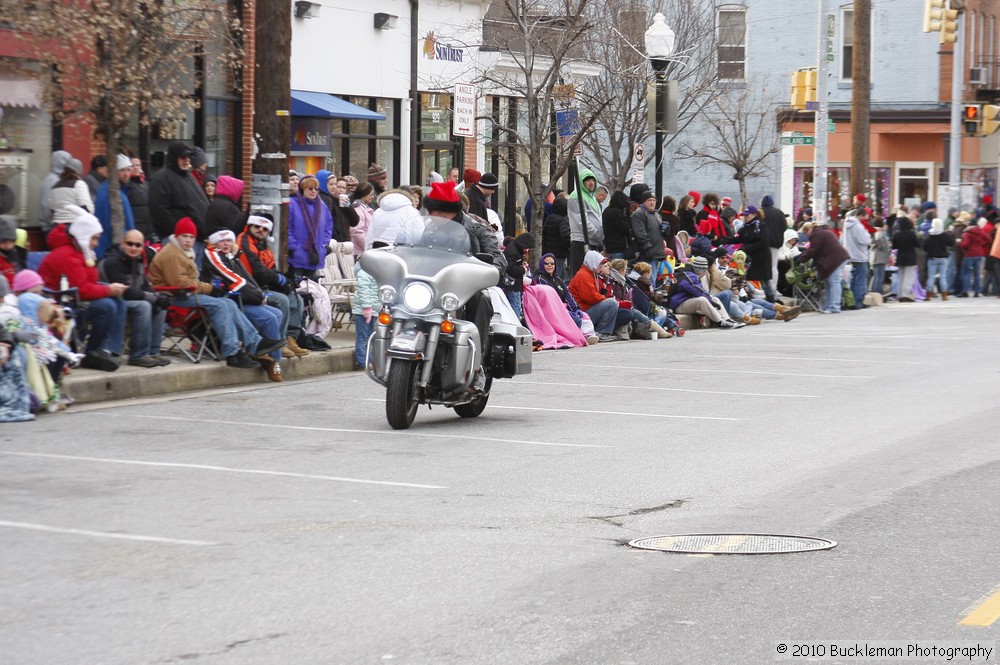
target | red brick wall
[{"x": 244, "y": 151}]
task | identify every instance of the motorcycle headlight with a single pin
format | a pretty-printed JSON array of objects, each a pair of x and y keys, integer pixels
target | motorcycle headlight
[
  {"x": 449, "y": 302},
  {"x": 386, "y": 294},
  {"x": 418, "y": 296}
]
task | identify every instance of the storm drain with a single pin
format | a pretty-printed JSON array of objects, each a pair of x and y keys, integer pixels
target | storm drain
[{"x": 732, "y": 543}]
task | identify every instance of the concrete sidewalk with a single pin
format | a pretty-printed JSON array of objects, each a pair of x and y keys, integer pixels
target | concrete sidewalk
[{"x": 88, "y": 385}]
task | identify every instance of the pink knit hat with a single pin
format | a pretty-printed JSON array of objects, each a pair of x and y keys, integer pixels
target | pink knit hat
[{"x": 26, "y": 280}]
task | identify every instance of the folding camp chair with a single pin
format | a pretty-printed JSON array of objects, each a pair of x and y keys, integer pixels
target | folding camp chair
[
  {"x": 807, "y": 288},
  {"x": 188, "y": 328},
  {"x": 337, "y": 277}
]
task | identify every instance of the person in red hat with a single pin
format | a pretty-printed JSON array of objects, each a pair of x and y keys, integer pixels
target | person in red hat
[
  {"x": 442, "y": 201},
  {"x": 174, "y": 266}
]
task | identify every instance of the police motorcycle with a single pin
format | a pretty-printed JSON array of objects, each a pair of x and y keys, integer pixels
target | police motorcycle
[{"x": 425, "y": 348}]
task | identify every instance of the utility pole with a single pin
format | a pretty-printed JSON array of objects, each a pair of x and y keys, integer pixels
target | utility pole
[
  {"x": 861, "y": 98},
  {"x": 824, "y": 56},
  {"x": 272, "y": 103}
]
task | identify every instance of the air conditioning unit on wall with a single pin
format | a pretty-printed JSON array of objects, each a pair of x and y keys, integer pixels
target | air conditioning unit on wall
[{"x": 977, "y": 76}]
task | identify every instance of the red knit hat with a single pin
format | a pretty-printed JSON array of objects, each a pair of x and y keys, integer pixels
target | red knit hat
[
  {"x": 443, "y": 197},
  {"x": 185, "y": 226},
  {"x": 696, "y": 196},
  {"x": 471, "y": 176}
]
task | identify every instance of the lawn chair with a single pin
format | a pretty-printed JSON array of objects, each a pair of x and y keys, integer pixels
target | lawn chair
[
  {"x": 188, "y": 328},
  {"x": 337, "y": 277},
  {"x": 807, "y": 288}
]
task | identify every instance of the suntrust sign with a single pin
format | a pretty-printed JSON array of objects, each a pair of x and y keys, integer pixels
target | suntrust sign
[
  {"x": 433, "y": 50},
  {"x": 311, "y": 135}
]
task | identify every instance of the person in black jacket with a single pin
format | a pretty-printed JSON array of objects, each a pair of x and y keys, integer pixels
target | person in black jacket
[
  {"x": 138, "y": 197},
  {"x": 555, "y": 235},
  {"x": 223, "y": 267},
  {"x": 772, "y": 226},
  {"x": 516, "y": 253},
  {"x": 938, "y": 244},
  {"x": 905, "y": 241},
  {"x": 174, "y": 193},
  {"x": 126, "y": 263},
  {"x": 224, "y": 211},
  {"x": 754, "y": 243},
  {"x": 618, "y": 241}
]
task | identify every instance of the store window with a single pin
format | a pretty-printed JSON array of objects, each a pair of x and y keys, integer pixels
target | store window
[
  {"x": 439, "y": 150},
  {"x": 838, "y": 190},
  {"x": 25, "y": 146},
  {"x": 354, "y": 144}
]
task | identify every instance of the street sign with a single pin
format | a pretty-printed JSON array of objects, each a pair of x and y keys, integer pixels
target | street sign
[
  {"x": 797, "y": 140},
  {"x": 638, "y": 176},
  {"x": 831, "y": 127},
  {"x": 568, "y": 123},
  {"x": 464, "y": 110},
  {"x": 812, "y": 106},
  {"x": 265, "y": 189},
  {"x": 640, "y": 153}
]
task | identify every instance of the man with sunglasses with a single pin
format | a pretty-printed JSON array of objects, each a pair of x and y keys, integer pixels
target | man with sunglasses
[{"x": 126, "y": 263}]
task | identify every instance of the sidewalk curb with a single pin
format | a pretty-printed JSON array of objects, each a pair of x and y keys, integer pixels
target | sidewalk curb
[{"x": 89, "y": 386}]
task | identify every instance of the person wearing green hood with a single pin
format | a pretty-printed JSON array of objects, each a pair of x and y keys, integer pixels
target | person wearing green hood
[{"x": 588, "y": 183}]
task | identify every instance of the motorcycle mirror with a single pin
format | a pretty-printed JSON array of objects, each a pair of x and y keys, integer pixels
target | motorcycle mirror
[{"x": 485, "y": 258}]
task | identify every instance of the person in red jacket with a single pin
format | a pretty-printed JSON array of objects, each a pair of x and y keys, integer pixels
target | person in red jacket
[
  {"x": 975, "y": 246},
  {"x": 593, "y": 294},
  {"x": 72, "y": 257}
]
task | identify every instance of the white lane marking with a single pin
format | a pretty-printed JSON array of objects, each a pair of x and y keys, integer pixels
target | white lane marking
[
  {"x": 104, "y": 534},
  {"x": 363, "y": 431},
  {"x": 676, "y": 390},
  {"x": 832, "y": 360},
  {"x": 209, "y": 467},
  {"x": 870, "y": 347},
  {"x": 730, "y": 371},
  {"x": 609, "y": 413}
]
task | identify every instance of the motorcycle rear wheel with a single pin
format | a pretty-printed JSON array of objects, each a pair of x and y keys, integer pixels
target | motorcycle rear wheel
[
  {"x": 478, "y": 405},
  {"x": 401, "y": 393}
]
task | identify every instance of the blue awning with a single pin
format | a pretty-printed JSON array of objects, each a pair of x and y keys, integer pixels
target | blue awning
[{"x": 322, "y": 105}]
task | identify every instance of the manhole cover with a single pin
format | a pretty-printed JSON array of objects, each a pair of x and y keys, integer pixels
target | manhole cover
[{"x": 732, "y": 543}]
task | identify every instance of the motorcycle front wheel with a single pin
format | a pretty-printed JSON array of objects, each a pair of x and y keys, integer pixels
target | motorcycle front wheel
[
  {"x": 401, "y": 393},
  {"x": 478, "y": 405}
]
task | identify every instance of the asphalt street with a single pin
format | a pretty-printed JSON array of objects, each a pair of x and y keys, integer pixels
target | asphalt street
[{"x": 287, "y": 523}]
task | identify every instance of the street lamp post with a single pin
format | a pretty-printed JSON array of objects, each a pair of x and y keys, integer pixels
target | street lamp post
[{"x": 659, "y": 47}]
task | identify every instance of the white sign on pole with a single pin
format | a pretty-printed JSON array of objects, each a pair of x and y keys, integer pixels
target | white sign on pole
[
  {"x": 640, "y": 153},
  {"x": 464, "y": 110},
  {"x": 638, "y": 176}
]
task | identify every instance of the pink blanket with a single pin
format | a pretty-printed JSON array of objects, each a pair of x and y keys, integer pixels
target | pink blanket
[{"x": 548, "y": 319}]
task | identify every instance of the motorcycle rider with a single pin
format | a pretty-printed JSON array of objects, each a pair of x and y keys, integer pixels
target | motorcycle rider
[{"x": 443, "y": 201}]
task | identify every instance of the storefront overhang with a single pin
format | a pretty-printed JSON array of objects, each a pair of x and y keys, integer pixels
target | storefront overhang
[
  {"x": 18, "y": 91},
  {"x": 322, "y": 105}
]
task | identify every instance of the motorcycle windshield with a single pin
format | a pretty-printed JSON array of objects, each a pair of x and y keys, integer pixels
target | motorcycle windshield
[
  {"x": 444, "y": 235},
  {"x": 441, "y": 244}
]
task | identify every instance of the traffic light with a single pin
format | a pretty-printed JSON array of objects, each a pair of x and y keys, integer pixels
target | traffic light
[
  {"x": 972, "y": 118},
  {"x": 803, "y": 87},
  {"x": 942, "y": 16},
  {"x": 990, "y": 120},
  {"x": 949, "y": 26}
]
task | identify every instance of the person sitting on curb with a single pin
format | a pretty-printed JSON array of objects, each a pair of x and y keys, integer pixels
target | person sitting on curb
[
  {"x": 593, "y": 294},
  {"x": 222, "y": 266},
  {"x": 548, "y": 275},
  {"x": 749, "y": 298},
  {"x": 256, "y": 256},
  {"x": 127, "y": 263},
  {"x": 174, "y": 267},
  {"x": 690, "y": 297},
  {"x": 627, "y": 293},
  {"x": 72, "y": 257}
]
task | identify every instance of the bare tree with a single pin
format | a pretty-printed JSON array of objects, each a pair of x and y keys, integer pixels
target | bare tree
[
  {"x": 114, "y": 60},
  {"x": 619, "y": 46},
  {"x": 743, "y": 136},
  {"x": 538, "y": 41}
]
